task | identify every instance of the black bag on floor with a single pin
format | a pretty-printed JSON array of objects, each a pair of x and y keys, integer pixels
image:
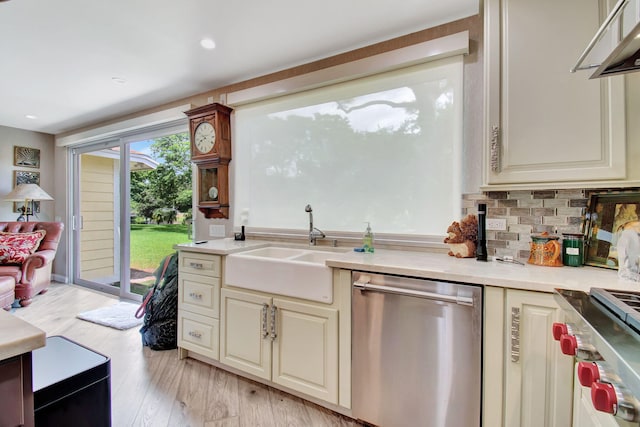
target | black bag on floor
[{"x": 160, "y": 307}]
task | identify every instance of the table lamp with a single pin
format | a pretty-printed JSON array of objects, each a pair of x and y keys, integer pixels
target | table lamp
[{"x": 29, "y": 194}]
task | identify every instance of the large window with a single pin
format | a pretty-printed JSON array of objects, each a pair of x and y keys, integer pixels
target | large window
[{"x": 384, "y": 149}]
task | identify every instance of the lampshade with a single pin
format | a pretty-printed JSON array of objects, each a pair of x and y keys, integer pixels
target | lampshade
[{"x": 24, "y": 192}]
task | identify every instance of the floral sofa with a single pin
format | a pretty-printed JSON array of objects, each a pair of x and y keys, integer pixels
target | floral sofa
[{"x": 27, "y": 251}]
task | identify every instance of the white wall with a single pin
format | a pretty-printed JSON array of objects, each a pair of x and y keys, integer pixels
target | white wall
[
  {"x": 10, "y": 137},
  {"x": 52, "y": 180}
]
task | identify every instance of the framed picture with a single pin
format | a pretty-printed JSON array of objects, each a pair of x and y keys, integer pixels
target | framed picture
[
  {"x": 25, "y": 177},
  {"x": 608, "y": 215},
  {"x": 26, "y": 157}
]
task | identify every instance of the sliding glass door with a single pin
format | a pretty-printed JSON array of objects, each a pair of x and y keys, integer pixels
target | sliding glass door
[
  {"x": 100, "y": 247},
  {"x": 131, "y": 204}
]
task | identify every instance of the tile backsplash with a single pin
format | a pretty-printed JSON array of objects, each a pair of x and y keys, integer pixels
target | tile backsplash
[{"x": 527, "y": 212}]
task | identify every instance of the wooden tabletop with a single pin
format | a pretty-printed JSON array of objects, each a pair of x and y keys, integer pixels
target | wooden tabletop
[{"x": 17, "y": 336}]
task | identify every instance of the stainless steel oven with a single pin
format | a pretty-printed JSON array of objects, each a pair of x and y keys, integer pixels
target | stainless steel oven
[{"x": 603, "y": 332}]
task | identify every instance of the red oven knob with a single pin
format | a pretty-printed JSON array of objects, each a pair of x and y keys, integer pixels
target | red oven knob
[
  {"x": 588, "y": 373},
  {"x": 559, "y": 329},
  {"x": 568, "y": 344},
  {"x": 603, "y": 396}
]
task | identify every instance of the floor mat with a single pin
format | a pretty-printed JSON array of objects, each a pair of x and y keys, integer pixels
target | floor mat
[{"x": 119, "y": 316}]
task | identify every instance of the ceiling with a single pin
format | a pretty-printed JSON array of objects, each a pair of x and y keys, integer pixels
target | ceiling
[{"x": 59, "y": 60}]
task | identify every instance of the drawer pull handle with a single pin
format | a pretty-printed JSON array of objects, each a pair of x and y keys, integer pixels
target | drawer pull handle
[
  {"x": 195, "y": 295},
  {"x": 195, "y": 334},
  {"x": 196, "y": 265}
]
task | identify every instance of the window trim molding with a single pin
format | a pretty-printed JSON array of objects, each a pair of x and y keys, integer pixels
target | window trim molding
[
  {"x": 161, "y": 120},
  {"x": 431, "y": 50}
]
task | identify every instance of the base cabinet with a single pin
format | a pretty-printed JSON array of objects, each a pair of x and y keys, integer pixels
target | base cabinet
[
  {"x": 538, "y": 377},
  {"x": 199, "y": 278},
  {"x": 531, "y": 385},
  {"x": 291, "y": 343}
]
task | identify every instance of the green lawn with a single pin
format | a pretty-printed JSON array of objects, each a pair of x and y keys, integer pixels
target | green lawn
[{"x": 150, "y": 243}]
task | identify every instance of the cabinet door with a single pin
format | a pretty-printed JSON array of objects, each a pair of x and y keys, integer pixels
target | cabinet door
[
  {"x": 538, "y": 377},
  {"x": 243, "y": 343},
  {"x": 305, "y": 350},
  {"x": 543, "y": 123}
]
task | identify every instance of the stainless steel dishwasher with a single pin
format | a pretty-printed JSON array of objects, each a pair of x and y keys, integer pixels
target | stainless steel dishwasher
[{"x": 416, "y": 352}]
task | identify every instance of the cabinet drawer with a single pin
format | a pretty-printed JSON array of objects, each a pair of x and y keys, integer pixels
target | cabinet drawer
[
  {"x": 199, "y": 294},
  {"x": 199, "y": 263},
  {"x": 199, "y": 334}
]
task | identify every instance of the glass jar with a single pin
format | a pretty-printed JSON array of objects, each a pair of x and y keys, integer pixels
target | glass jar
[
  {"x": 572, "y": 249},
  {"x": 545, "y": 250}
]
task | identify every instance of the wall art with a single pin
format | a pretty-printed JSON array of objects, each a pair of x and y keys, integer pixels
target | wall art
[
  {"x": 26, "y": 177},
  {"x": 609, "y": 217},
  {"x": 26, "y": 157}
]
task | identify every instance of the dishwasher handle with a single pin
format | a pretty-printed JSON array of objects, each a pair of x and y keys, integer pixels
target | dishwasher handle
[{"x": 411, "y": 292}]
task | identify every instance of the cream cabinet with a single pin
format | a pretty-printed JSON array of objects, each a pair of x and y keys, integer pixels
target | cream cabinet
[
  {"x": 544, "y": 124},
  {"x": 199, "y": 278},
  {"x": 532, "y": 383},
  {"x": 289, "y": 342}
]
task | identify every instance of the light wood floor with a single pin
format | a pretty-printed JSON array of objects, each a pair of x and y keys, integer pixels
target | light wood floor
[{"x": 155, "y": 388}]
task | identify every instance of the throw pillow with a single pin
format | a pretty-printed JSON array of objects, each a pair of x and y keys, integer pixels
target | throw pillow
[{"x": 16, "y": 247}]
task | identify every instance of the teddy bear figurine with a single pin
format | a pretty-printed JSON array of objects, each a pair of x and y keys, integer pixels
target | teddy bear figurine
[{"x": 462, "y": 237}]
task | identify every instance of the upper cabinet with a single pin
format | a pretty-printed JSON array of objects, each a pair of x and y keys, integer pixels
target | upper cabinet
[{"x": 544, "y": 124}]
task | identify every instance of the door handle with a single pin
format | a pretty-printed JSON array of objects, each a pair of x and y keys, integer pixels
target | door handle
[
  {"x": 265, "y": 332},
  {"x": 495, "y": 149},
  {"x": 274, "y": 335},
  {"x": 515, "y": 334},
  {"x": 457, "y": 299}
]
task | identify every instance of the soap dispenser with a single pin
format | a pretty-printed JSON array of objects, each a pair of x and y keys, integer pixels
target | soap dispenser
[{"x": 367, "y": 239}]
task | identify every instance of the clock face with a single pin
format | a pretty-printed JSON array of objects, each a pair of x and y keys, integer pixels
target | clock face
[{"x": 204, "y": 137}]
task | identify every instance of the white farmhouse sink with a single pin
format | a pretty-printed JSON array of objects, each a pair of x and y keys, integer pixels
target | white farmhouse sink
[{"x": 294, "y": 272}]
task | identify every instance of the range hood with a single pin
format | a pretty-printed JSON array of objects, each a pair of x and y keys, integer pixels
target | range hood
[{"x": 623, "y": 22}]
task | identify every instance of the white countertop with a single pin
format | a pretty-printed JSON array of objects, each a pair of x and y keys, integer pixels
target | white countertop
[
  {"x": 222, "y": 246},
  {"x": 469, "y": 270},
  {"x": 440, "y": 266},
  {"x": 17, "y": 336}
]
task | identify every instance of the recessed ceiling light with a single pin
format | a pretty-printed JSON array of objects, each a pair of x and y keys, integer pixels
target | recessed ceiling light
[
  {"x": 31, "y": 116},
  {"x": 207, "y": 43},
  {"x": 119, "y": 80}
]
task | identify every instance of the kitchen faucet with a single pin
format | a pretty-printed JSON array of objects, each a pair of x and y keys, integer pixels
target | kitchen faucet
[{"x": 314, "y": 233}]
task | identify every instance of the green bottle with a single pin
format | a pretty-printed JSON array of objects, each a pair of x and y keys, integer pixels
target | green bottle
[{"x": 367, "y": 240}]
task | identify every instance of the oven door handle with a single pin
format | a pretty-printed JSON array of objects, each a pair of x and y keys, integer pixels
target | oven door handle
[{"x": 457, "y": 299}]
